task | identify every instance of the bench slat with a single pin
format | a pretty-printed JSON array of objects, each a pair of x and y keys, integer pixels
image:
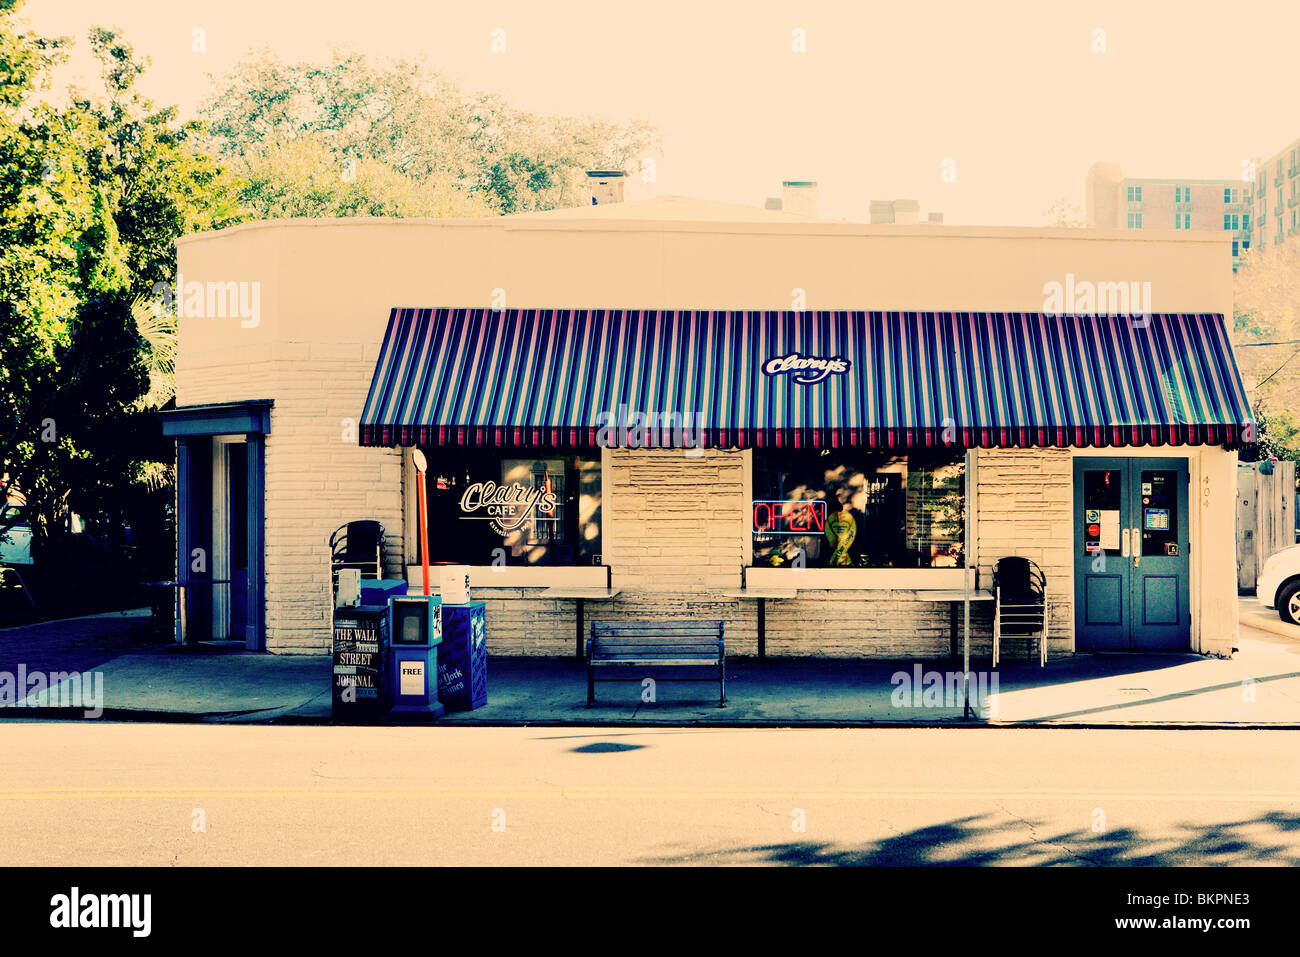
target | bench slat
[
  {"x": 656, "y": 627},
  {"x": 652, "y": 662},
  {"x": 657, "y": 642}
]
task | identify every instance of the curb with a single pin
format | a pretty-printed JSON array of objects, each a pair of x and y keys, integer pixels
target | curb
[
  {"x": 1270, "y": 623},
  {"x": 248, "y": 718}
]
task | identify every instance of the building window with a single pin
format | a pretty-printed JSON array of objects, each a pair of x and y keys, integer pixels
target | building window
[
  {"x": 1231, "y": 221},
  {"x": 1236, "y": 249},
  {"x": 1134, "y": 220},
  {"x": 1135, "y": 194},
  {"x": 1182, "y": 220},
  {"x": 1182, "y": 194},
  {"x": 1245, "y": 222},
  {"x": 854, "y": 508},
  {"x": 525, "y": 507}
]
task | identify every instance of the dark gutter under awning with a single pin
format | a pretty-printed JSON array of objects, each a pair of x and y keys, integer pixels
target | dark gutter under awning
[
  {"x": 218, "y": 418},
  {"x": 554, "y": 377}
]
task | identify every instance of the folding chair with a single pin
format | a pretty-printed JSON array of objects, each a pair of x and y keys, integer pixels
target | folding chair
[
  {"x": 357, "y": 545},
  {"x": 1020, "y": 607}
]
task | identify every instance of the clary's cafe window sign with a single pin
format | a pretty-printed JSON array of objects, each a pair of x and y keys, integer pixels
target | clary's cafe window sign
[
  {"x": 492, "y": 507},
  {"x": 508, "y": 507}
]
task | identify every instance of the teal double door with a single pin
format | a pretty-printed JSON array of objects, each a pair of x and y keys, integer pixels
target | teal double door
[{"x": 1131, "y": 567}]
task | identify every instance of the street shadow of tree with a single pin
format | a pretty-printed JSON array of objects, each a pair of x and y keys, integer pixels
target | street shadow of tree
[{"x": 984, "y": 840}]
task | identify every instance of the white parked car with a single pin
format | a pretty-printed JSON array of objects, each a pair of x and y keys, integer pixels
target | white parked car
[
  {"x": 1278, "y": 585},
  {"x": 15, "y": 544}
]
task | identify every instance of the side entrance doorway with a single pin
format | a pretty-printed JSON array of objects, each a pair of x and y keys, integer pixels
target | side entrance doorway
[
  {"x": 220, "y": 519},
  {"x": 1131, "y": 568}
]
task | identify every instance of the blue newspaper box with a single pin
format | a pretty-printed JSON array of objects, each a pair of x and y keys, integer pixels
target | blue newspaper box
[
  {"x": 462, "y": 657},
  {"x": 415, "y": 631}
]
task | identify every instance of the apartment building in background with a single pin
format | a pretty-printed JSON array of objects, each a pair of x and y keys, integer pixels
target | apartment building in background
[
  {"x": 1115, "y": 201},
  {"x": 1277, "y": 197}
]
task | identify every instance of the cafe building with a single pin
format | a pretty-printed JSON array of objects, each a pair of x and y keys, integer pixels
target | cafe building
[{"x": 678, "y": 409}]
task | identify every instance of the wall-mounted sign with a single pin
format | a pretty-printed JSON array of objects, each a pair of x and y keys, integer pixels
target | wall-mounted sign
[
  {"x": 507, "y": 507},
  {"x": 789, "y": 517},
  {"x": 806, "y": 370}
]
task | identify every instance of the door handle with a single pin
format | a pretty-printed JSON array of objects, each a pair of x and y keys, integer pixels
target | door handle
[
  {"x": 1137, "y": 548},
  {"x": 1123, "y": 542}
]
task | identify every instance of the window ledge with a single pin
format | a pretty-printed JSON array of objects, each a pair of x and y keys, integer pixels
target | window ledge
[
  {"x": 829, "y": 579},
  {"x": 514, "y": 576}
]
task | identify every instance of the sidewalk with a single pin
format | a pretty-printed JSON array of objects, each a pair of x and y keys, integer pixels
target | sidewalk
[{"x": 1260, "y": 687}]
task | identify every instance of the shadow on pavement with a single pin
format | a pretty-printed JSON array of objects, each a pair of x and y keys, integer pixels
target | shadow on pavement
[{"x": 1272, "y": 838}]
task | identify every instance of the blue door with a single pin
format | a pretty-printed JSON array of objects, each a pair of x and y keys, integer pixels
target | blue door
[
  {"x": 1130, "y": 554},
  {"x": 238, "y": 513}
]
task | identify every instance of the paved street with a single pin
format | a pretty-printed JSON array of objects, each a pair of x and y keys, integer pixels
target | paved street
[{"x": 103, "y": 793}]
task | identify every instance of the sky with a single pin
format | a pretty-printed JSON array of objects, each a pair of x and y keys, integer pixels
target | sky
[{"x": 987, "y": 112}]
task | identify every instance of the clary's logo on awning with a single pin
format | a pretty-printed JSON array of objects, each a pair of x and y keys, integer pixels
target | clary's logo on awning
[{"x": 806, "y": 370}]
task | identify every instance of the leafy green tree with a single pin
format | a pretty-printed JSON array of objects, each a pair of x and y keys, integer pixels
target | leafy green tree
[
  {"x": 303, "y": 177},
  {"x": 1266, "y": 336},
  {"x": 1065, "y": 214},
  {"x": 416, "y": 123},
  {"x": 93, "y": 192}
]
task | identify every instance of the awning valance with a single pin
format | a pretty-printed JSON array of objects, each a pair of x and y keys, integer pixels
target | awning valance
[{"x": 556, "y": 377}]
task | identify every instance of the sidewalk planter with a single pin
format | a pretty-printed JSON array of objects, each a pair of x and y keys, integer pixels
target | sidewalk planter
[{"x": 653, "y": 425}]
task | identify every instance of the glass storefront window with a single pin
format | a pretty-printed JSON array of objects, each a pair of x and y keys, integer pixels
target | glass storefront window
[
  {"x": 1103, "y": 504},
  {"x": 858, "y": 509},
  {"x": 523, "y": 507},
  {"x": 1159, "y": 513}
]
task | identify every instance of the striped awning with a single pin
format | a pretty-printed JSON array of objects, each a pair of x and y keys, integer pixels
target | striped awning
[{"x": 556, "y": 377}]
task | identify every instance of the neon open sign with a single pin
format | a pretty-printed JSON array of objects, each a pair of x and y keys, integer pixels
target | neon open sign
[{"x": 789, "y": 518}]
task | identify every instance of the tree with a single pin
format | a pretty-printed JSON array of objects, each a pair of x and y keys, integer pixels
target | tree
[
  {"x": 1266, "y": 339},
  {"x": 93, "y": 192},
  {"x": 1065, "y": 214},
  {"x": 303, "y": 177},
  {"x": 45, "y": 206},
  {"x": 418, "y": 124}
]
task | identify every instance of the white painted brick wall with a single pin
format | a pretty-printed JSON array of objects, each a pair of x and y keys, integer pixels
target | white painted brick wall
[
  {"x": 1024, "y": 501},
  {"x": 317, "y": 477}
]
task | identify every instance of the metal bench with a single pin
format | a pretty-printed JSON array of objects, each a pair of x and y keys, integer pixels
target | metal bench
[{"x": 656, "y": 644}]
